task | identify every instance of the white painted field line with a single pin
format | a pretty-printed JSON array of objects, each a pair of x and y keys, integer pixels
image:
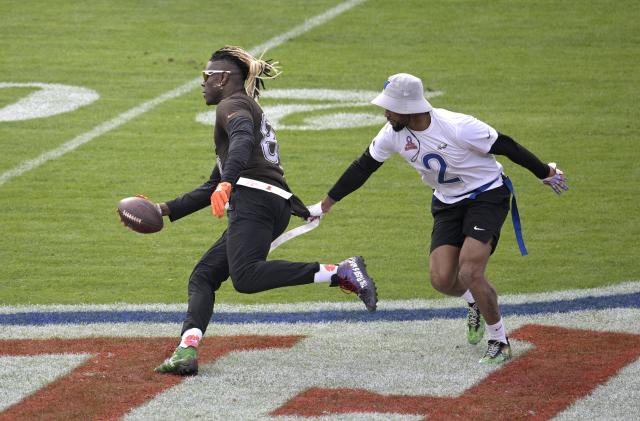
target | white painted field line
[
  {"x": 306, "y": 26},
  {"x": 99, "y": 130},
  {"x": 134, "y": 112}
]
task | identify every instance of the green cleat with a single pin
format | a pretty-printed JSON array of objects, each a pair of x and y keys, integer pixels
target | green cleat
[
  {"x": 183, "y": 361},
  {"x": 475, "y": 322},
  {"x": 497, "y": 352}
]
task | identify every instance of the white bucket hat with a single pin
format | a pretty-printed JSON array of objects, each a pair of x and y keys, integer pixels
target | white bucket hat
[{"x": 403, "y": 94}]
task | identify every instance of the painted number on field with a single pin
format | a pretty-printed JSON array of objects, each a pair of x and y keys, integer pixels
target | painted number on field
[
  {"x": 324, "y": 109},
  {"x": 236, "y": 379},
  {"x": 46, "y": 100}
]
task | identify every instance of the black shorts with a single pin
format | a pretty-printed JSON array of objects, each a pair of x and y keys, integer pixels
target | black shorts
[{"x": 480, "y": 218}]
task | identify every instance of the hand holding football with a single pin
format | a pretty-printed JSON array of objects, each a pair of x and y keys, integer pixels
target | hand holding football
[{"x": 140, "y": 214}]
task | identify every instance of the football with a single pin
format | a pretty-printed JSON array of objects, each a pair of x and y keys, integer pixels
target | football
[{"x": 140, "y": 215}]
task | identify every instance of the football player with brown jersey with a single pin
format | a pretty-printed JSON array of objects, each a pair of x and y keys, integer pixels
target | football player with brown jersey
[{"x": 248, "y": 181}]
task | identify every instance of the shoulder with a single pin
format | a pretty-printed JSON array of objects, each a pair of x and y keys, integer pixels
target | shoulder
[
  {"x": 386, "y": 135},
  {"x": 386, "y": 132},
  {"x": 385, "y": 143},
  {"x": 235, "y": 102},
  {"x": 450, "y": 117},
  {"x": 458, "y": 119},
  {"x": 464, "y": 126},
  {"x": 236, "y": 106},
  {"x": 445, "y": 121}
]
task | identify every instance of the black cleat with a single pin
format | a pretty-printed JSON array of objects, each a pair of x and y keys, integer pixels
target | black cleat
[{"x": 352, "y": 276}]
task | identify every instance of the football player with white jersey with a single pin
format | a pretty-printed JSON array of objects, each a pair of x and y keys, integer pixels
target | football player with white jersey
[{"x": 454, "y": 155}]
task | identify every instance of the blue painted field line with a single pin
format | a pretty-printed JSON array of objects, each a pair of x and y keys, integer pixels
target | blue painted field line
[{"x": 631, "y": 300}]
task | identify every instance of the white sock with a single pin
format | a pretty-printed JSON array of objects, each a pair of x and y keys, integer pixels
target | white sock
[
  {"x": 191, "y": 337},
  {"x": 325, "y": 273},
  {"x": 496, "y": 332},
  {"x": 468, "y": 297}
]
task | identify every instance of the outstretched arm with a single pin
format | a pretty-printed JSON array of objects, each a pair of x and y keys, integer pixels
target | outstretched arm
[
  {"x": 517, "y": 153},
  {"x": 548, "y": 173},
  {"x": 352, "y": 179},
  {"x": 193, "y": 201}
]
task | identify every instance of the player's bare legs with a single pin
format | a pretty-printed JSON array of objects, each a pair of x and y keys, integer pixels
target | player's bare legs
[
  {"x": 443, "y": 270},
  {"x": 453, "y": 271},
  {"x": 473, "y": 260},
  {"x": 443, "y": 267},
  {"x": 474, "y": 257}
]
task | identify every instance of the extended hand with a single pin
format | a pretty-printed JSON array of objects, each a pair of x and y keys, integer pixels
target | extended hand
[
  {"x": 315, "y": 210},
  {"x": 322, "y": 207},
  {"x": 557, "y": 181},
  {"x": 220, "y": 198}
]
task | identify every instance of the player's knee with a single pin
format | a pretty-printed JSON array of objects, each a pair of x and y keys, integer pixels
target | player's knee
[
  {"x": 199, "y": 280},
  {"x": 441, "y": 281},
  {"x": 202, "y": 280},
  {"x": 466, "y": 276},
  {"x": 470, "y": 274},
  {"x": 243, "y": 288},
  {"x": 244, "y": 283}
]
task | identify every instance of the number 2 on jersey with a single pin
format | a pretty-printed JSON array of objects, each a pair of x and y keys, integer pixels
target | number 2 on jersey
[{"x": 441, "y": 170}]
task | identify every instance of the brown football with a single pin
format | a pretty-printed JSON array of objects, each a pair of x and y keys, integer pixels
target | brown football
[{"x": 140, "y": 215}]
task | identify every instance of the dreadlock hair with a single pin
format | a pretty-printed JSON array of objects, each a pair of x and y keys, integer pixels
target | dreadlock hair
[{"x": 254, "y": 70}]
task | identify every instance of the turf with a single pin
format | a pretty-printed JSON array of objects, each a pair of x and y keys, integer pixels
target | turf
[{"x": 560, "y": 78}]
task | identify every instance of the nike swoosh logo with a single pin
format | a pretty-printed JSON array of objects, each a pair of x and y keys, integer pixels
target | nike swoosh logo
[
  {"x": 231, "y": 115},
  {"x": 475, "y": 227}
]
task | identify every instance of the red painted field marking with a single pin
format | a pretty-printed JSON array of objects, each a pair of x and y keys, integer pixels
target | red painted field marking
[
  {"x": 564, "y": 366},
  {"x": 119, "y": 376}
]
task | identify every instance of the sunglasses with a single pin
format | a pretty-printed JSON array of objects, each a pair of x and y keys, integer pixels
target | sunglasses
[{"x": 207, "y": 73}]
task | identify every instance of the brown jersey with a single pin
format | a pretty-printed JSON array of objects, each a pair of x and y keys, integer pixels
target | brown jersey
[{"x": 264, "y": 161}]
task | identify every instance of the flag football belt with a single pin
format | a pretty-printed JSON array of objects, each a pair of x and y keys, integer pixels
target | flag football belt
[
  {"x": 260, "y": 185},
  {"x": 515, "y": 215},
  {"x": 292, "y": 233},
  {"x": 311, "y": 224}
]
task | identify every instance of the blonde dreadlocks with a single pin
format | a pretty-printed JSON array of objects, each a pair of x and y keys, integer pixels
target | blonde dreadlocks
[{"x": 254, "y": 70}]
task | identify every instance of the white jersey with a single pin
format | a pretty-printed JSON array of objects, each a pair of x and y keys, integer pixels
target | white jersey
[{"x": 451, "y": 155}]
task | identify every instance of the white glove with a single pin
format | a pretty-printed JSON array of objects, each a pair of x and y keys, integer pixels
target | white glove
[{"x": 316, "y": 209}]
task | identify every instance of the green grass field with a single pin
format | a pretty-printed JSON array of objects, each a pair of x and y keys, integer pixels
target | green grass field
[{"x": 559, "y": 77}]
